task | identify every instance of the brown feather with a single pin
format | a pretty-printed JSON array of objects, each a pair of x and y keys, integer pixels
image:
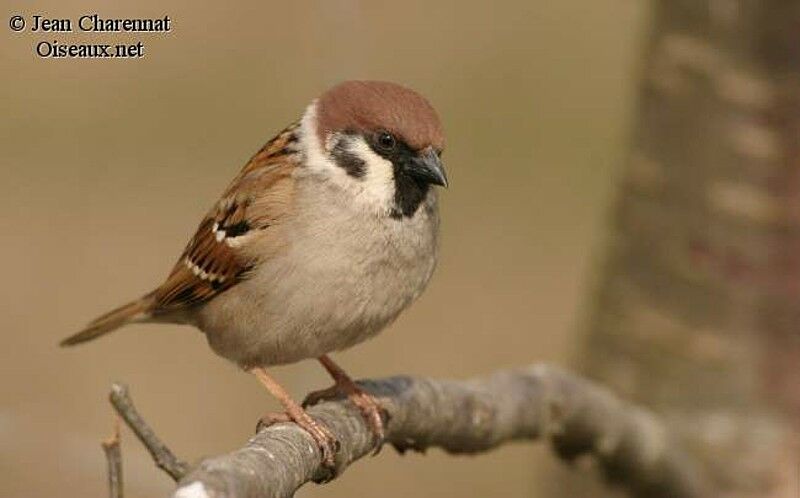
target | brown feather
[
  {"x": 256, "y": 199},
  {"x": 370, "y": 106},
  {"x": 133, "y": 311},
  {"x": 211, "y": 263}
]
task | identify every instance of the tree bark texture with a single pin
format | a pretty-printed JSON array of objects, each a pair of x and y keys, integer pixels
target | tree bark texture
[
  {"x": 696, "y": 314},
  {"x": 579, "y": 418}
]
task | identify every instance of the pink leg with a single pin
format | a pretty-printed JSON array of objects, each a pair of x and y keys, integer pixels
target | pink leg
[{"x": 324, "y": 438}]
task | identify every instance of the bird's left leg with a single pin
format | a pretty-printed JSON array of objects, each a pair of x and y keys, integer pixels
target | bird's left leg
[
  {"x": 370, "y": 409},
  {"x": 326, "y": 441}
]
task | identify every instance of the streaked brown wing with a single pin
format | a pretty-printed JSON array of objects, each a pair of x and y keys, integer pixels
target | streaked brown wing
[{"x": 216, "y": 258}]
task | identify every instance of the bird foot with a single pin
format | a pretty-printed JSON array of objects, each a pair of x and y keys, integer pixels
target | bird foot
[
  {"x": 272, "y": 418},
  {"x": 326, "y": 442},
  {"x": 372, "y": 411},
  {"x": 317, "y": 397}
]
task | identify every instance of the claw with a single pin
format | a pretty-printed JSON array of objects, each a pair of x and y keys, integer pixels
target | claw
[
  {"x": 270, "y": 419},
  {"x": 372, "y": 411},
  {"x": 326, "y": 442},
  {"x": 317, "y": 397}
]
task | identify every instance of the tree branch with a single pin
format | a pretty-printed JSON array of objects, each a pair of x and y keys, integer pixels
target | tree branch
[
  {"x": 161, "y": 454},
  {"x": 579, "y": 417},
  {"x": 111, "y": 448}
]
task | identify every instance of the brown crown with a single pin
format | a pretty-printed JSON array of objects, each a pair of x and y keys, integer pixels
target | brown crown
[{"x": 368, "y": 106}]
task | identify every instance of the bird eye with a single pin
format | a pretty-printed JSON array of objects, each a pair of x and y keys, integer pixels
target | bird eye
[{"x": 386, "y": 141}]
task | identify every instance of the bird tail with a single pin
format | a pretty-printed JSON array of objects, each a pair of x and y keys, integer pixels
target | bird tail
[{"x": 135, "y": 311}]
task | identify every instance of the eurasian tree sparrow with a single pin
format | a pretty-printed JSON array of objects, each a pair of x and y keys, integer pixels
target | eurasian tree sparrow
[{"x": 325, "y": 236}]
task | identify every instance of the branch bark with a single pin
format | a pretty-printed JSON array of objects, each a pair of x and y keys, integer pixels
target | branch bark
[
  {"x": 162, "y": 455},
  {"x": 113, "y": 452},
  {"x": 629, "y": 444}
]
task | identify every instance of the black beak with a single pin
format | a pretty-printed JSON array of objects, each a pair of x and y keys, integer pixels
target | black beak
[{"x": 427, "y": 166}]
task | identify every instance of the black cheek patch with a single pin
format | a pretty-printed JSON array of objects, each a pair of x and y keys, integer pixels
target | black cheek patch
[
  {"x": 408, "y": 194},
  {"x": 348, "y": 161}
]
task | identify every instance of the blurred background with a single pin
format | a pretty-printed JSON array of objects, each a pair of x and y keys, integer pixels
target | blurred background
[{"x": 108, "y": 166}]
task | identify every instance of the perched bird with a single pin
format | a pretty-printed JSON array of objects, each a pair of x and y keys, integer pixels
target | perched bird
[{"x": 324, "y": 237}]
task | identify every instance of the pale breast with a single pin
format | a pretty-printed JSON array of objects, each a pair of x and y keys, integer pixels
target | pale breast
[{"x": 343, "y": 275}]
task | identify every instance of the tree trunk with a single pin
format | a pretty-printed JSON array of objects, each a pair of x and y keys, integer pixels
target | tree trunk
[{"x": 697, "y": 310}]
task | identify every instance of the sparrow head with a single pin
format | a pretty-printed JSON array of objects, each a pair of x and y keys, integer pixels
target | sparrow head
[{"x": 385, "y": 140}]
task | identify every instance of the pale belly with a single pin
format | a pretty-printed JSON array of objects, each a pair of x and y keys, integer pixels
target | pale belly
[{"x": 317, "y": 298}]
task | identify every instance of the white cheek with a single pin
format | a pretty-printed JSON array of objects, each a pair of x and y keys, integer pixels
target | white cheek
[
  {"x": 375, "y": 190},
  {"x": 377, "y": 185},
  {"x": 316, "y": 159}
]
